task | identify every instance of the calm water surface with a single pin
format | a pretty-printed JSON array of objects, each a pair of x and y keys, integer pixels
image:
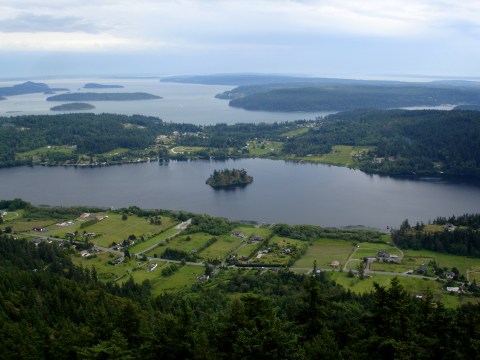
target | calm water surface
[
  {"x": 281, "y": 192},
  {"x": 189, "y": 103}
]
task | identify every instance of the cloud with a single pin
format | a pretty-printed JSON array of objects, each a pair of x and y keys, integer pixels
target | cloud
[{"x": 31, "y": 23}]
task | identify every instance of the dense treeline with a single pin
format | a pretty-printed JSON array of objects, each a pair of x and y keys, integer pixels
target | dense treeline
[
  {"x": 68, "y": 314},
  {"x": 407, "y": 142},
  {"x": 461, "y": 236},
  {"x": 210, "y": 225},
  {"x": 312, "y": 232}
]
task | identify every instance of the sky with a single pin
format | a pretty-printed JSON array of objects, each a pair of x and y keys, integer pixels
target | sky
[{"x": 326, "y": 38}]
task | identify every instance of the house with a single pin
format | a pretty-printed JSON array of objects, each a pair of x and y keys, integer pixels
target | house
[
  {"x": 203, "y": 278},
  {"x": 383, "y": 254},
  {"x": 84, "y": 215},
  {"x": 335, "y": 263},
  {"x": 39, "y": 229},
  {"x": 450, "y": 275},
  {"x": 238, "y": 234},
  {"x": 255, "y": 238},
  {"x": 449, "y": 227},
  {"x": 152, "y": 267},
  {"x": 422, "y": 269},
  {"x": 454, "y": 289}
]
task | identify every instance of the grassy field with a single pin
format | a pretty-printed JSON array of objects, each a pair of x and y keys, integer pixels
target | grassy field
[
  {"x": 115, "y": 152},
  {"x": 142, "y": 246},
  {"x": 296, "y": 132},
  {"x": 340, "y": 155},
  {"x": 462, "y": 263},
  {"x": 45, "y": 150},
  {"x": 114, "y": 229},
  {"x": 265, "y": 148},
  {"x": 220, "y": 249},
  {"x": 27, "y": 226},
  {"x": 412, "y": 286},
  {"x": 184, "y": 277},
  {"x": 324, "y": 251},
  {"x": 276, "y": 251},
  {"x": 186, "y": 149}
]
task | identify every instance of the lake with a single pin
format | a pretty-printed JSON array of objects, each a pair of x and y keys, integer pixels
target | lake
[
  {"x": 281, "y": 192},
  {"x": 183, "y": 103}
]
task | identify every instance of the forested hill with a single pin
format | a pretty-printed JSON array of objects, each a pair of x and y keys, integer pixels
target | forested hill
[
  {"x": 407, "y": 142},
  {"x": 51, "y": 309},
  {"x": 343, "y": 96},
  {"x": 87, "y": 133}
]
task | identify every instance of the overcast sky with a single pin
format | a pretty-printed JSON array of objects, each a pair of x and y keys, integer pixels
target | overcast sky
[{"x": 330, "y": 38}]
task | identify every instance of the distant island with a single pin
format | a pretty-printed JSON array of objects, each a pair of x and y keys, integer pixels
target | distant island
[
  {"x": 103, "y": 97},
  {"x": 467, "y": 107},
  {"x": 229, "y": 178},
  {"x": 28, "y": 87},
  {"x": 73, "y": 107},
  {"x": 101, "y": 86}
]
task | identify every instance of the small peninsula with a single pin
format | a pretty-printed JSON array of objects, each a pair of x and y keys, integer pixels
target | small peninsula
[
  {"x": 103, "y": 97},
  {"x": 229, "y": 178},
  {"x": 73, "y": 107},
  {"x": 101, "y": 86}
]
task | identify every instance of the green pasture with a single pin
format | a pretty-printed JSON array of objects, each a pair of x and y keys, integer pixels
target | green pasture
[
  {"x": 187, "y": 149},
  {"x": 63, "y": 149},
  {"x": 115, "y": 152},
  {"x": 262, "y": 231},
  {"x": 114, "y": 229},
  {"x": 341, "y": 155},
  {"x": 142, "y": 246},
  {"x": 221, "y": 248},
  {"x": 324, "y": 251},
  {"x": 246, "y": 250},
  {"x": 183, "y": 277},
  {"x": 105, "y": 271},
  {"x": 462, "y": 263},
  {"x": 265, "y": 148},
  {"x": 27, "y": 226},
  {"x": 296, "y": 132}
]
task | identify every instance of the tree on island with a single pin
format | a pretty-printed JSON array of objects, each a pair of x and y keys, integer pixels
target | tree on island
[{"x": 229, "y": 178}]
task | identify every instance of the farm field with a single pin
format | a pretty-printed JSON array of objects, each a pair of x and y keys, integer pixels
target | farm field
[
  {"x": 324, "y": 251},
  {"x": 114, "y": 229}
]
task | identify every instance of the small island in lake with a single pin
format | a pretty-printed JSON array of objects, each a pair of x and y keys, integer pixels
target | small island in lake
[
  {"x": 73, "y": 107},
  {"x": 101, "y": 86},
  {"x": 103, "y": 97},
  {"x": 229, "y": 178}
]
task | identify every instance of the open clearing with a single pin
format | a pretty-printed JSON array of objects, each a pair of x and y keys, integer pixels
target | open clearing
[{"x": 324, "y": 251}]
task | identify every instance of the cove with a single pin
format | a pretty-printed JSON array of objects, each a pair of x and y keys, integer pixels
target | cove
[{"x": 281, "y": 192}]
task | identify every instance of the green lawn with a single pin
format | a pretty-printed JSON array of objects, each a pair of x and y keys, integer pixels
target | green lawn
[
  {"x": 324, "y": 251},
  {"x": 27, "y": 226}
]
